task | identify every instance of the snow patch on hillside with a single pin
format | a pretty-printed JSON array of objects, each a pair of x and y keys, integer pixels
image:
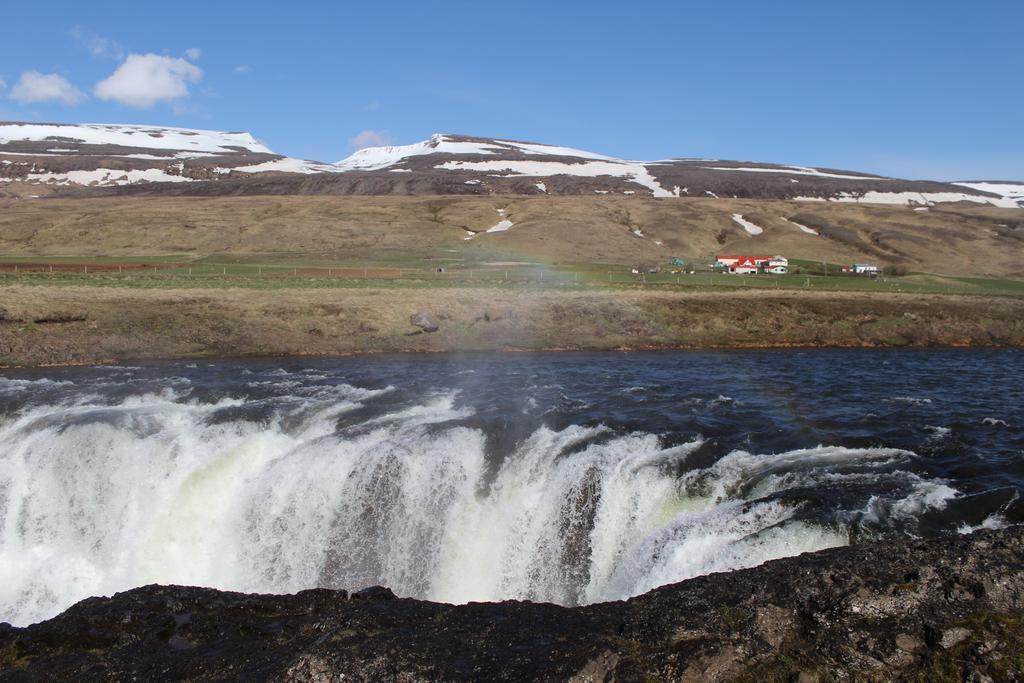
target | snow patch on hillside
[
  {"x": 554, "y": 150},
  {"x": 914, "y": 198},
  {"x": 634, "y": 172},
  {"x": 105, "y": 177},
  {"x": 147, "y": 137},
  {"x": 795, "y": 170},
  {"x": 289, "y": 165},
  {"x": 1011, "y": 192},
  {"x": 747, "y": 225},
  {"x": 502, "y": 225},
  {"x": 803, "y": 228}
]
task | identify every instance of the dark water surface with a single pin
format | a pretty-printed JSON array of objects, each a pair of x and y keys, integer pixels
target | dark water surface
[{"x": 565, "y": 477}]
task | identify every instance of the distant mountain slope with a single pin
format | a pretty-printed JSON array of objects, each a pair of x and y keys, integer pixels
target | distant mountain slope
[
  {"x": 110, "y": 155},
  {"x": 143, "y": 160}
]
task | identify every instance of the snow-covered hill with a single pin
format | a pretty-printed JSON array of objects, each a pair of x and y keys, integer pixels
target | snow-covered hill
[
  {"x": 143, "y": 137},
  {"x": 494, "y": 165},
  {"x": 116, "y": 155},
  {"x": 109, "y": 154},
  {"x": 377, "y": 158}
]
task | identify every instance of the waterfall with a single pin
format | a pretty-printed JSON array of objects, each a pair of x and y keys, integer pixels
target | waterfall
[{"x": 315, "y": 489}]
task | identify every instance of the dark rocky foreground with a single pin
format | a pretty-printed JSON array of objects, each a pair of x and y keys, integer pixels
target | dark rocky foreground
[{"x": 946, "y": 609}]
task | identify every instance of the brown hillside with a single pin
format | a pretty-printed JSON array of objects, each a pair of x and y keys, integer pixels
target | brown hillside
[{"x": 950, "y": 239}]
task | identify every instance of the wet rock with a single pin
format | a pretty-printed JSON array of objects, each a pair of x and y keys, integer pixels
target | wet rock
[
  {"x": 909, "y": 643},
  {"x": 828, "y": 615},
  {"x": 601, "y": 668},
  {"x": 774, "y": 624},
  {"x": 374, "y": 593},
  {"x": 954, "y": 636},
  {"x": 425, "y": 321},
  {"x": 176, "y": 642}
]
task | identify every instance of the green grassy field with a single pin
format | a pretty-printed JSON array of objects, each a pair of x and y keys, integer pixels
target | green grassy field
[{"x": 272, "y": 273}]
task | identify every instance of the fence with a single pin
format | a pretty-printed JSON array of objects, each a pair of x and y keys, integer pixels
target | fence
[{"x": 561, "y": 276}]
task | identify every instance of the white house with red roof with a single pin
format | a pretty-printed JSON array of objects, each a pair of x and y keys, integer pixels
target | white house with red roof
[{"x": 744, "y": 264}]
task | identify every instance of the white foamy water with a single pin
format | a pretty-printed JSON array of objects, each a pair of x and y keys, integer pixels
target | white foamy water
[{"x": 159, "y": 488}]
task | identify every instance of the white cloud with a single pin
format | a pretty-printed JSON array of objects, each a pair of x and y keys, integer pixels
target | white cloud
[
  {"x": 97, "y": 44},
  {"x": 243, "y": 69},
  {"x": 370, "y": 138},
  {"x": 3, "y": 83},
  {"x": 143, "y": 80},
  {"x": 194, "y": 53},
  {"x": 36, "y": 87}
]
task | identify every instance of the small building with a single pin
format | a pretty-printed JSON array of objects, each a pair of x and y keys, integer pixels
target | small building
[
  {"x": 746, "y": 265},
  {"x": 863, "y": 269},
  {"x": 777, "y": 265}
]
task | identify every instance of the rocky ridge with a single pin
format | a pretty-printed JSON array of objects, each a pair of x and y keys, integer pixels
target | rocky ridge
[{"x": 941, "y": 609}]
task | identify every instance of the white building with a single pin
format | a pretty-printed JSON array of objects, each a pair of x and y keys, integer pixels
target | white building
[{"x": 777, "y": 265}]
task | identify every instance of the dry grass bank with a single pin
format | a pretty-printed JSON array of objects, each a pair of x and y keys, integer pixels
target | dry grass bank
[{"x": 48, "y": 325}]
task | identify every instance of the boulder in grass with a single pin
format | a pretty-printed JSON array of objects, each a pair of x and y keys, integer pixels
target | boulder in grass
[{"x": 425, "y": 321}]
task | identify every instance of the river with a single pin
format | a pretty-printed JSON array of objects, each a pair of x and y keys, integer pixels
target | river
[{"x": 570, "y": 478}]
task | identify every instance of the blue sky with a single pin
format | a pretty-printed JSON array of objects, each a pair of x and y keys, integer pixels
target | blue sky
[{"x": 907, "y": 88}]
